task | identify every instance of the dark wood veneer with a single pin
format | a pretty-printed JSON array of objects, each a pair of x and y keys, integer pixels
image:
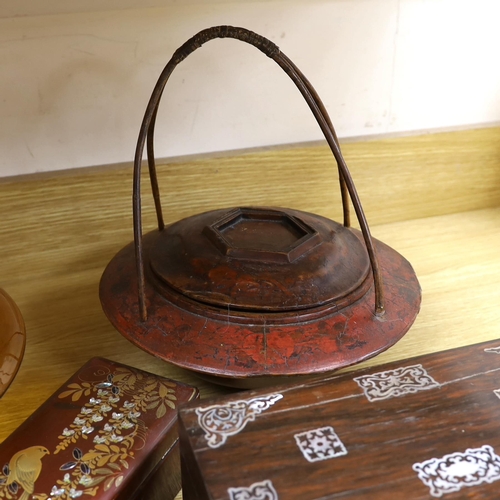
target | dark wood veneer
[{"x": 454, "y": 410}]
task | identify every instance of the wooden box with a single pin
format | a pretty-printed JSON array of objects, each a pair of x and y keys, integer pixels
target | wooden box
[
  {"x": 415, "y": 429},
  {"x": 110, "y": 432}
]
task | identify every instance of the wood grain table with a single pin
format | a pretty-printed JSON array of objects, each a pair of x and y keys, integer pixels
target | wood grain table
[{"x": 435, "y": 198}]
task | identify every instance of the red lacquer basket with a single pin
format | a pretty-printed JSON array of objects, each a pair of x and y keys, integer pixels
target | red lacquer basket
[{"x": 250, "y": 294}]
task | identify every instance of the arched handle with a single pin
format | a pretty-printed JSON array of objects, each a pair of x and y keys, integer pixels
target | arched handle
[{"x": 314, "y": 103}]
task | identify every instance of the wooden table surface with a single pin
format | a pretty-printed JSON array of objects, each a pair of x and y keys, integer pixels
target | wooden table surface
[{"x": 59, "y": 231}]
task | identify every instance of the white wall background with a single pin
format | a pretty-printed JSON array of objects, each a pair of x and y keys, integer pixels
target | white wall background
[{"x": 75, "y": 77}]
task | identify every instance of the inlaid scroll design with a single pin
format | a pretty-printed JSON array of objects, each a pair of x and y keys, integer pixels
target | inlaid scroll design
[
  {"x": 495, "y": 350},
  {"x": 395, "y": 383},
  {"x": 263, "y": 490},
  {"x": 320, "y": 444},
  {"x": 453, "y": 472},
  {"x": 222, "y": 420}
]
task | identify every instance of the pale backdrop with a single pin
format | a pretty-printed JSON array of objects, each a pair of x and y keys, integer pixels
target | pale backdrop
[{"x": 76, "y": 76}]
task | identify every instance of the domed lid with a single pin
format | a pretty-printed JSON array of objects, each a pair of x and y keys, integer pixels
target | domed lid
[{"x": 260, "y": 259}]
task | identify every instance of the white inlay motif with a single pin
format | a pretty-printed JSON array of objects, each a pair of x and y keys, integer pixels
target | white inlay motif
[
  {"x": 394, "y": 383},
  {"x": 453, "y": 472},
  {"x": 221, "y": 421},
  {"x": 320, "y": 444},
  {"x": 497, "y": 393},
  {"x": 495, "y": 350},
  {"x": 264, "y": 490}
]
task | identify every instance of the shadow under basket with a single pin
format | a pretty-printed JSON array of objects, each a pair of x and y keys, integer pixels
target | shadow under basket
[{"x": 248, "y": 295}]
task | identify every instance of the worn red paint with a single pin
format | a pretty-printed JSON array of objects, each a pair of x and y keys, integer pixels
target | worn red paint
[{"x": 258, "y": 343}]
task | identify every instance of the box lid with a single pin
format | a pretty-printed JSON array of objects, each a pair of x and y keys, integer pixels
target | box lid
[
  {"x": 100, "y": 435},
  {"x": 413, "y": 429}
]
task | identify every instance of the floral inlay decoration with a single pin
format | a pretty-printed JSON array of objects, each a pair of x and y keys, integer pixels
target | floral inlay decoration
[{"x": 111, "y": 422}]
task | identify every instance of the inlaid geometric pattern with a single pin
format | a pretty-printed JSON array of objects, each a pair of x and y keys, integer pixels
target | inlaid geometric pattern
[{"x": 320, "y": 444}]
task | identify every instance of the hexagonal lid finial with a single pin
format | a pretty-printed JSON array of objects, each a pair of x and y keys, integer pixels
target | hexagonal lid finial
[{"x": 262, "y": 234}]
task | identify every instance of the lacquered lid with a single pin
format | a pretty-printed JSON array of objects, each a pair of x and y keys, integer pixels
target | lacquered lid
[{"x": 260, "y": 259}]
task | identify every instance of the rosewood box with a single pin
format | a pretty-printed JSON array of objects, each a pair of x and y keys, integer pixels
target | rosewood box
[
  {"x": 414, "y": 429},
  {"x": 110, "y": 432}
]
